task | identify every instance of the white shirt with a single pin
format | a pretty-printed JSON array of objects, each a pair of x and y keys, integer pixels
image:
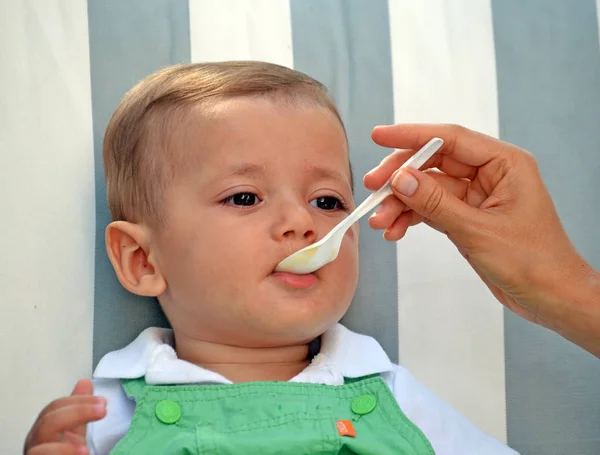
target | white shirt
[{"x": 343, "y": 354}]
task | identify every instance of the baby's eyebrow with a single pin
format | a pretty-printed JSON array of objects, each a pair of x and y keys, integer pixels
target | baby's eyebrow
[
  {"x": 314, "y": 170},
  {"x": 326, "y": 173},
  {"x": 245, "y": 169}
]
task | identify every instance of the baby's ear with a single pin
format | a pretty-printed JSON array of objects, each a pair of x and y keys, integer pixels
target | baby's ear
[{"x": 127, "y": 246}]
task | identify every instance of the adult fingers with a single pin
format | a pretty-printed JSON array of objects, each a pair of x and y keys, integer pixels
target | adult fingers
[
  {"x": 464, "y": 145},
  {"x": 389, "y": 211},
  {"x": 386, "y": 213},
  {"x": 432, "y": 200},
  {"x": 379, "y": 175}
]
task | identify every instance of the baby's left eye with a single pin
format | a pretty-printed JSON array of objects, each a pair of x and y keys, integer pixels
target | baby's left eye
[{"x": 327, "y": 203}]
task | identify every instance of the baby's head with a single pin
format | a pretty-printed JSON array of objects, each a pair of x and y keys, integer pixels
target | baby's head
[{"x": 215, "y": 173}]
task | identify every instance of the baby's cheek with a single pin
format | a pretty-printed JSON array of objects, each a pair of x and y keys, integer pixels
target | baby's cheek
[
  {"x": 353, "y": 231},
  {"x": 351, "y": 238},
  {"x": 347, "y": 261}
]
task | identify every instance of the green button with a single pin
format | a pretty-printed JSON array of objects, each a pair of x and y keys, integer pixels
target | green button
[
  {"x": 364, "y": 404},
  {"x": 168, "y": 411}
]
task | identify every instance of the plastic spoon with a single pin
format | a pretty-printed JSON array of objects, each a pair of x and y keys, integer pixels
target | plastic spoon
[{"x": 315, "y": 256}]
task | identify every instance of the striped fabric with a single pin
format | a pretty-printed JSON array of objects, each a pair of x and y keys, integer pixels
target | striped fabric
[{"x": 527, "y": 71}]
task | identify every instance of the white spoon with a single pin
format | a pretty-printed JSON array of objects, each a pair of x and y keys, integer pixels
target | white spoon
[{"x": 315, "y": 256}]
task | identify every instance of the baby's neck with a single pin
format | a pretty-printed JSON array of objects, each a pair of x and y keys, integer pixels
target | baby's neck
[{"x": 239, "y": 364}]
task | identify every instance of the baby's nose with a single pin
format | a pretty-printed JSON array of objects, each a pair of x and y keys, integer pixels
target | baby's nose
[{"x": 297, "y": 223}]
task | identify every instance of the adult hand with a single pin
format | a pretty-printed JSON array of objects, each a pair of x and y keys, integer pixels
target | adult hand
[
  {"x": 61, "y": 426},
  {"x": 488, "y": 197}
]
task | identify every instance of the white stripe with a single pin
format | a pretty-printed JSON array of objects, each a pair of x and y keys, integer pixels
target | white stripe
[
  {"x": 241, "y": 30},
  {"x": 598, "y": 16},
  {"x": 47, "y": 208},
  {"x": 451, "y": 328}
]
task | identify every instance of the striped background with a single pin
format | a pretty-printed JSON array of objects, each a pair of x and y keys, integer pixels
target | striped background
[{"x": 527, "y": 71}]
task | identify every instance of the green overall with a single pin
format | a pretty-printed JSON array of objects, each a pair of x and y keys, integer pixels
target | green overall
[{"x": 359, "y": 417}]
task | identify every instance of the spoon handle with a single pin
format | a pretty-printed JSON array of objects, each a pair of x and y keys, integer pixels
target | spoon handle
[{"x": 416, "y": 161}]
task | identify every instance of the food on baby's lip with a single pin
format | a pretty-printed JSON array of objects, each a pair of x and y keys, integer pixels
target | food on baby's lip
[{"x": 296, "y": 259}]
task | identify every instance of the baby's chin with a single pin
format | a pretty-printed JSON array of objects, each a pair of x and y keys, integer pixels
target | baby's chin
[
  {"x": 272, "y": 329},
  {"x": 292, "y": 328},
  {"x": 289, "y": 319}
]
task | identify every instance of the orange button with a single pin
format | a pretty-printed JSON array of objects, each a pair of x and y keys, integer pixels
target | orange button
[{"x": 345, "y": 428}]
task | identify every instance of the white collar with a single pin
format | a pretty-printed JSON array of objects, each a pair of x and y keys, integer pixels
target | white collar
[{"x": 343, "y": 354}]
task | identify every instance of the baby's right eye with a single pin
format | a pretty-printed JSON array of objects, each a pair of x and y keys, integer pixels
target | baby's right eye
[{"x": 242, "y": 199}]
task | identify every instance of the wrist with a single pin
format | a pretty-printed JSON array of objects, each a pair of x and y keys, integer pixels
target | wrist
[{"x": 569, "y": 304}]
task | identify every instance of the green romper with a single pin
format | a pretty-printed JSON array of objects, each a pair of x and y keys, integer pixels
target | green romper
[{"x": 359, "y": 417}]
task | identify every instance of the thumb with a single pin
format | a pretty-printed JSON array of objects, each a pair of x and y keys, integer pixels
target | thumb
[{"x": 425, "y": 196}]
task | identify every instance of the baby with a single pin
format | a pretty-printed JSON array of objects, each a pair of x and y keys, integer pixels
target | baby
[{"x": 215, "y": 173}]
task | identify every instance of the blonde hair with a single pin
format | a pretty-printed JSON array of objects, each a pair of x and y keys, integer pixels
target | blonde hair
[{"x": 136, "y": 143}]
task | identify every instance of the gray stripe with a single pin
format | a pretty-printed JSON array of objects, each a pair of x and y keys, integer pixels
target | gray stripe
[
  {"x": 128, "y": 41},
  {"x": 346, "y": 45},
  {"x": 548, "y": 63}
]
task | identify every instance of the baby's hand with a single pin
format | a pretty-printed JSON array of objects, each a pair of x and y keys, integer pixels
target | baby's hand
[{"x": 60, "y": 429}]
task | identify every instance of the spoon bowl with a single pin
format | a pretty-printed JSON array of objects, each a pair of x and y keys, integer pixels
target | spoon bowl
[{"x": 326, "y": 250}]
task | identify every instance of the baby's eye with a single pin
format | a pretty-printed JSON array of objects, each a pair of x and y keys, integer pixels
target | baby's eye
[
  {"x": 327, "y": 203},
  {"x": 242, "y": 199}
]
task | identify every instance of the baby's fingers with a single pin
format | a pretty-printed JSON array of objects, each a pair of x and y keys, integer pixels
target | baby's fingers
[
  {"x": 58, "y": 448},
  {"x": 52, "y": 426},
  {"x": 71, "y": 401},
  {"x": 84, "y": 387},
  {"x": 74, "y": 438}
]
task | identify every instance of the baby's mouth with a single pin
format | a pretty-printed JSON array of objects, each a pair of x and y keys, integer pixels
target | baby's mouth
[{"x": 296, "y": 281}]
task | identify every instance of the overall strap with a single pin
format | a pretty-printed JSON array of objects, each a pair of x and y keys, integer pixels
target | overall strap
[
  {"x": 134, "y": 388},
  {"x": 361, "y": 378}
]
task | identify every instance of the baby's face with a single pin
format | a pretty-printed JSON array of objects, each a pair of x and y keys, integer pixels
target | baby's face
[{"x": 261, "y": 179}]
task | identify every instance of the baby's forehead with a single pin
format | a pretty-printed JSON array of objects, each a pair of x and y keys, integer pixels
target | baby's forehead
[
  {"x": 243, "y": 121},
  {"x": 249, "y": 133},
  {"x": 222, "y": 108}
]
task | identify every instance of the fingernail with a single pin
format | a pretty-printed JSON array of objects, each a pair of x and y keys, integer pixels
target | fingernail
[
  {"x": 405, "y": 183},
  {"x": 376, "y": 212},
  {"x": 99, "y": 409},
  {"x": 82, "y": 450},
  {"x": 100, "y": 400}
]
